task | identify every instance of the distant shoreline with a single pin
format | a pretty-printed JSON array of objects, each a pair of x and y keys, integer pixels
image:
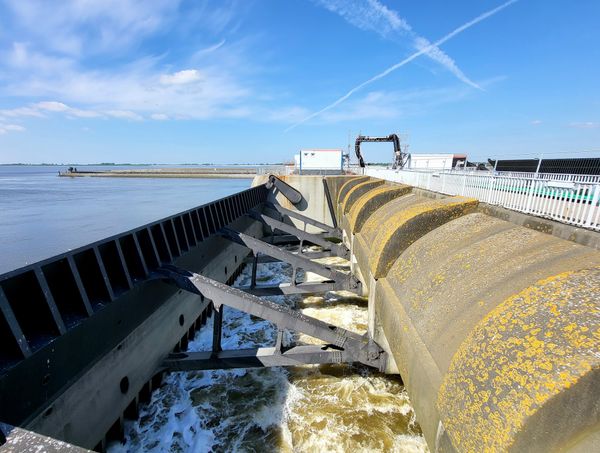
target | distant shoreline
[
  {"x": 160, "y": 175},
  {"x": 196, "y": 172},
  {"x": 109, "y": 164}
]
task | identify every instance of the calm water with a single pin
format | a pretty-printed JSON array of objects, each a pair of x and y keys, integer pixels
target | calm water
[{"x": 42, "y": 215}]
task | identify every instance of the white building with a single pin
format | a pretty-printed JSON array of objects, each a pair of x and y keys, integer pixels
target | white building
[
  {"x": 321, "y": 161},
  {"x": 436, "y": 161}
]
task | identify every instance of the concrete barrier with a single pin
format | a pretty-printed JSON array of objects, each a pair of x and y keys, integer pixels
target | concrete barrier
[
  {"x": 494, "y": 329},
  {"x": 356, "y": 192},
  {"x": 397, "y": 224},
  {"x": 346, "y": 187},
  {"x": 493, "y": 326},
  {"x": 368, "y": 203}
]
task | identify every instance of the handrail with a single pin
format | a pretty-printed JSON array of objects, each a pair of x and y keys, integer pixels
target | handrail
[{"x": 568, "y": 201}]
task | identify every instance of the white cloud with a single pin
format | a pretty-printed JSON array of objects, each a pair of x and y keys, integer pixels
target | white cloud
[
  {"x": 536, "y": 122},
  {"x": 72, "y": 27},
  {"x": 41, "y": 108},
  {"x": 442, "y": 58},
  {"x": 404, "y": 62},
  {"x": 372, "y": 15},
  {"x": 586, "y": 125},
  {"x": 14, "y": 127},
  {"x": 159, "y": 116},
  {"x": 21, "y": 112},
  {"x": 181, "y": 77},
  {"x": 54, "y": 44},
  {"x": 52, "y": 106},
  {"x": 382, "y": 105},
  {"x": 124, "y": 115},
  {"x": 79, "y": 113},
  {"x": 368, "y": 15},
  {"x": 210, "y": 49},
  {"x": 5, "y": 128}
]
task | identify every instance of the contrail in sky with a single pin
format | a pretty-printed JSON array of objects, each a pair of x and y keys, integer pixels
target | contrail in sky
[{"x": 407, "y": 60}]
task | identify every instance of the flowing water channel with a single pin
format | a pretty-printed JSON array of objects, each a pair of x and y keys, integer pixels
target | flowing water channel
[{"x": 333, "y": 408}]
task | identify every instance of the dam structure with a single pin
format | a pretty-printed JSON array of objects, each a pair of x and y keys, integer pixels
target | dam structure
[{"x": 491, "y": 317}]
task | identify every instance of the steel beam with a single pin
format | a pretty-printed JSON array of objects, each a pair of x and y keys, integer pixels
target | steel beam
[
  {"x": 337, "y": 249},
  {"x": 283, "y": 239},
  {"x": 256, "y": 358},
  {"x": 289, "y": 192},
  {"x": 350, "y": 283},
  {"x": 361, "y": 348},
  {"x": 330, "y": 205},
  {"x": 332, "y": 231},
  {"x": 287, "y": 288}
]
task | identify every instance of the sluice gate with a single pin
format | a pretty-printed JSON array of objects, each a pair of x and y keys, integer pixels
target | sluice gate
[
  {"x": 102, "y": 320},
  {"x": 490, "y": 316}
]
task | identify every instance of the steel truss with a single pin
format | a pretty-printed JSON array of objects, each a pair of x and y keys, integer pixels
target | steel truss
[
  {"x": 335, "y": 280},
  {"x": 340, "y": 345},
  {"x": 336, "y": 249}
]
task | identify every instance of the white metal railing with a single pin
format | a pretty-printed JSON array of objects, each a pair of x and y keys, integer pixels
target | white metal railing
[
  {"x": 592, "y": 179},
  {"x": 275, "y": 169},
  {"x": 572, "y": 202}
]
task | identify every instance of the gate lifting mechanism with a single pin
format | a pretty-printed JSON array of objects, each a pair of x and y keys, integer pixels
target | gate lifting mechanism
[
  {"x": 340, "y": 345},
  {"x": 400, "y": 157}
]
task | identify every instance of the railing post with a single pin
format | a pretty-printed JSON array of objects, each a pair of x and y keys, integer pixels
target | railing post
[
  {"x": 529, "y": 195},
  {"x": 593, "y": 207}
]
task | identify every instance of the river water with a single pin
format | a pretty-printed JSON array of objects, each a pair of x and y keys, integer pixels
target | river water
[
  {"x": 327, "y": 408},
  {"x": 42, "y": 215}
]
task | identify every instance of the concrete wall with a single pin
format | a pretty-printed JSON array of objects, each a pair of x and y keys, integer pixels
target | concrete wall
[
  {"x": 314, "y": 202},
  {"x": 491, "y": 317}
]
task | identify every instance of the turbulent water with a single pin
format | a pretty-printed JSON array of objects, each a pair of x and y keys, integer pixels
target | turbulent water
[{"x": 334, "y": 408}]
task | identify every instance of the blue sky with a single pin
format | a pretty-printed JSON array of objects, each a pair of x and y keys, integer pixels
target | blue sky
[{"x": 255, "y": 80}]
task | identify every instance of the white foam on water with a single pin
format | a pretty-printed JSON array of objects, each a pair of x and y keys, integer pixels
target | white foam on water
[{"x": 303, "y": 409}]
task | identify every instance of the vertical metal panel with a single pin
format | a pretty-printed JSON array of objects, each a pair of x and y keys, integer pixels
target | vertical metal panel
[
  {"x": 60, "y": 325},
  {"x": 104, "y": 274},
  {"x": 14, "y": 326},
  {"x": 82, "y": 292}
]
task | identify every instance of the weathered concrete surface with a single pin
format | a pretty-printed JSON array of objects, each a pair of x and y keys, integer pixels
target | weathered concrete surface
[
  {"x": 335, "y": 183},
  {"x": 573, "y": 233},
  {"x": 495, "y": 331},
  {"x": 494, "y": 325},
  {"x": 314, "y": 202},
  {"x": 19, "y": 440},
  {"x": 356, "y": 192},
  {"x": 343, "y": 191},
  {"x": 397, "y": 224},
  {"x": 368, "y": 203}
]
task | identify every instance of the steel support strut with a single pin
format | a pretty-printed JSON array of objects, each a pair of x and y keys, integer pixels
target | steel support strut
[
  {"x": 344, "y": 345},
  {"x": 332, "y": 231},
  {"x": 335, "y": 279},
  {"x": 337, "y": 249}
]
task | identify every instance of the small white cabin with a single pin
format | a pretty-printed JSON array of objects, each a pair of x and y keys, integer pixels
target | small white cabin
[
  {"x": 436, "y": 161},
  {"x": 321, "y": 161}
]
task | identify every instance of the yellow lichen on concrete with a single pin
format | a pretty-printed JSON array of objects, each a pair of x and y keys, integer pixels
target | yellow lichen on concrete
[
  {"x": 524, "y": 353},
  {"x": 372, "y": 200},
  {"x": 396, "y": 232},
  {"x": 349, "y": 184},
  {"x": 355, "y": 192}
]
